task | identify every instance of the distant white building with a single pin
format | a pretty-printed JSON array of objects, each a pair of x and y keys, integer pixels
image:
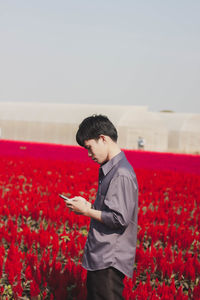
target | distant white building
[{"x": 58, "y": 123}]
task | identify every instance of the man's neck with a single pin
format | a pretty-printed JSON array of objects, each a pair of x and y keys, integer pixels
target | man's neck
[{"x": 113, "y": 151}]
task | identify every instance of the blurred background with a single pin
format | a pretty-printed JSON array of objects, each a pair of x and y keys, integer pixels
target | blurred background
[{"x": 136, "y": 61}]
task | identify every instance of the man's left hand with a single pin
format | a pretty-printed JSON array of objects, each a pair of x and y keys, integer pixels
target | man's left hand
[{"x": 78, "y": 205}]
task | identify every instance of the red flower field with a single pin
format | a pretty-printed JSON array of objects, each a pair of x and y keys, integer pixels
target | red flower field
[{"x": 41, "y": 242}]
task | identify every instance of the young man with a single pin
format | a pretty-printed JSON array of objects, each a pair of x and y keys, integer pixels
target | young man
[{"x": 111, "y": 244}]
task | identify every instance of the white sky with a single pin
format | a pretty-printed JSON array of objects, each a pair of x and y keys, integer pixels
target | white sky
[{"x": 104, "y": 52}]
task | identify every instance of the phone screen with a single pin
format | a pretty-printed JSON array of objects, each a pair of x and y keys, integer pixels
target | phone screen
[{"x": 64, "y": 197}]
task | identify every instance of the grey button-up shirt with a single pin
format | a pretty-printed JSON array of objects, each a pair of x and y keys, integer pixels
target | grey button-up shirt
[{"x": 112, "y": 243}]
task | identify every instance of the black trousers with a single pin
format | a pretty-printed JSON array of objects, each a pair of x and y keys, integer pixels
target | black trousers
[{"x": 106, "y": 284}]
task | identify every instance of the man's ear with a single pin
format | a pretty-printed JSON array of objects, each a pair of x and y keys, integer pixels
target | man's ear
[{"x": 103, "y": 138}]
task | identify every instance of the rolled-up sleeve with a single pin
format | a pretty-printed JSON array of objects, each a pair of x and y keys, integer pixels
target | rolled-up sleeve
[{"x": 120, "y": 202}]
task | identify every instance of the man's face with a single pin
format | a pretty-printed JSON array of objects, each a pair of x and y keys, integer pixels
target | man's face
[{"x": 97, "y": 150}]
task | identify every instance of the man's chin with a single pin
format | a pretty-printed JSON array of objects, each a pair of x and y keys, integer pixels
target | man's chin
[{"x": 98, "y": 161}]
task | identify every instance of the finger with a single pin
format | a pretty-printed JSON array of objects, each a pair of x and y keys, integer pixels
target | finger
[
  {"x": 69, "y": 206},
  {"x": 75, "y": 199}
]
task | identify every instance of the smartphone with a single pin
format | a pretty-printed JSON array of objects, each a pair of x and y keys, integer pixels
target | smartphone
[{"x": 65, "y": 198}]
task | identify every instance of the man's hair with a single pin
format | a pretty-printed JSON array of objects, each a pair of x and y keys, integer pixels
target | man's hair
[{"x": 92, "y": 127}]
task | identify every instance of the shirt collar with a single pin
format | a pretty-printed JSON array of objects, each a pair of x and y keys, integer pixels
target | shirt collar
[{"x": 111, "y": 163}]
